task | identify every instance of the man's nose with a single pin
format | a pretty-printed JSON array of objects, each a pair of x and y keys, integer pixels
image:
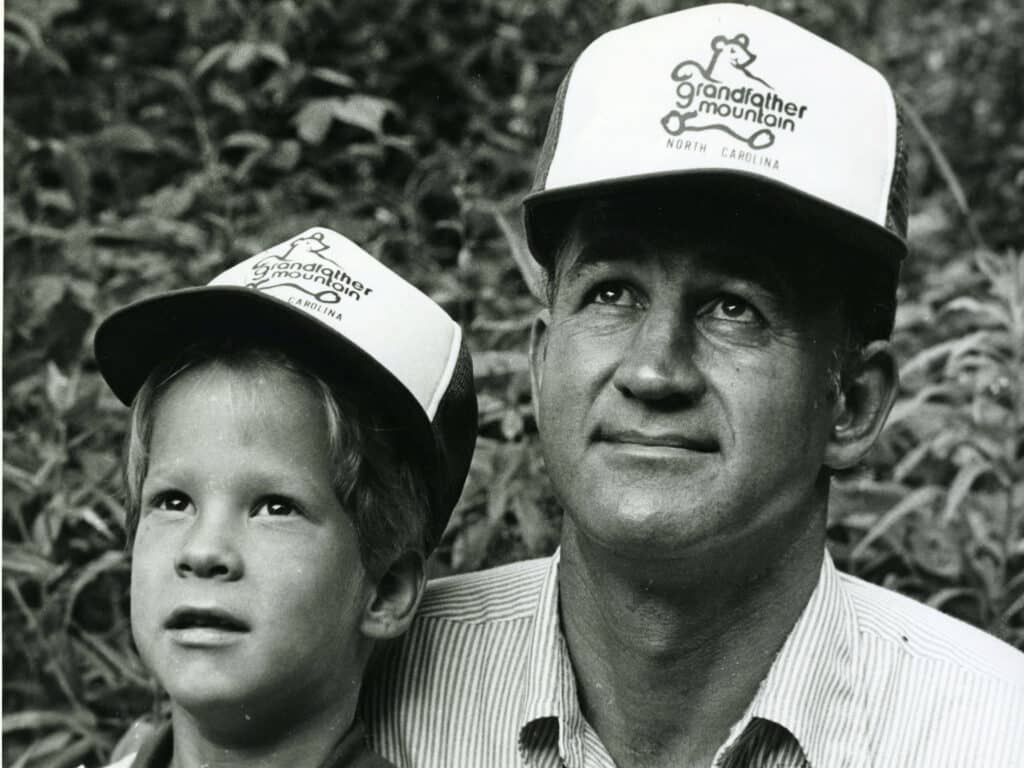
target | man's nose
[
  {"x": 661, "y": 363},
  {"x": 209, "y": 549}
]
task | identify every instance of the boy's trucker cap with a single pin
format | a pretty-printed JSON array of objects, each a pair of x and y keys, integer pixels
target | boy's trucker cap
[
  {"x": 323, "y": 297},
  {"x": 733, "y": 96}
]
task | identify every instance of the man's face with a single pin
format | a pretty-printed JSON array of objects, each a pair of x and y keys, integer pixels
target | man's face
[
  {"x": 684, "y": 397},
  {"x": 247, "y": 585}
]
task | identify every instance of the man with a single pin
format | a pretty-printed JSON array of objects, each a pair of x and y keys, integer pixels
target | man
[{"x": 720, "y": 213}]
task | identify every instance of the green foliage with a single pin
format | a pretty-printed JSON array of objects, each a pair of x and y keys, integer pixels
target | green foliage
[{"x": 150, "y": 144}]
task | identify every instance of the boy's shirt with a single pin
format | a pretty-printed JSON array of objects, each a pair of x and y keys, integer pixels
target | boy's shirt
[{"x": 351, "y": 752}]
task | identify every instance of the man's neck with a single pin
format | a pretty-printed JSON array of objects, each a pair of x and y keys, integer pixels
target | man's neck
[
  {"x": 667, "y": 656},
  {"x": 296, "y": 743}
]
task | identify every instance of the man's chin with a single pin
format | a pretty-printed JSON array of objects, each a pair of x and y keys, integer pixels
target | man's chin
[{"x": 643, "y": 529}]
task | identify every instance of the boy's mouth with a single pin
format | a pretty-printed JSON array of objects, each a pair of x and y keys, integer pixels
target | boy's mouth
[{"x": 205, "y": 618}]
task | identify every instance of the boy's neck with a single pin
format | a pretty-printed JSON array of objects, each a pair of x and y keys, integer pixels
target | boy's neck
[{"x": 259, "y": 739}]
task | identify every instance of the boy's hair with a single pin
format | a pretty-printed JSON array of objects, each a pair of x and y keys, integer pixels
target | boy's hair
[{"x": 382, "y": 490}]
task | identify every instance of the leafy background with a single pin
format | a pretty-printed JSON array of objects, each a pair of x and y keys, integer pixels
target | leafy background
[{"x": 150, "y": 144}]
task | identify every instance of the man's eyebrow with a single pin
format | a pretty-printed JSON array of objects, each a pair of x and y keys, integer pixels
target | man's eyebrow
[{"x": 604, "y": 247}]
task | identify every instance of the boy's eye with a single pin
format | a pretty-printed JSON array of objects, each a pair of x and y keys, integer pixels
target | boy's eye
[
  {"x": 732, "y": 309},
  {"x": 613, "y": 294},
  {"x": 171, "y": 501},
  {"x": 276, "y": 506}
]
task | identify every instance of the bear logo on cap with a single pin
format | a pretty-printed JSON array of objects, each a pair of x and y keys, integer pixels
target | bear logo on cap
[
  {"x": 726, "y": 88},
  {"x": 305, "y": 267}
]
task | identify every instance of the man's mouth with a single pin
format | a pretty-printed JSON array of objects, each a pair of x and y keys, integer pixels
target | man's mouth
[
  {"x": 657, "y": 439},
  {"x": 205, "y": 618}
]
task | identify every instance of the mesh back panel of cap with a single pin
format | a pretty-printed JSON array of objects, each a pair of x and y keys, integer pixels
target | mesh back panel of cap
[
  {"x": 456, "y": 423},
  {"x": 547, "y": 149},
  {"x": 897, "y": 209}
]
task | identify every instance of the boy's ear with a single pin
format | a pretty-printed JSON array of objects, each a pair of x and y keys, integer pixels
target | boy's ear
[
  {"x": 866, "y": 394},
  {"x": 393, "y": 603},
  {"x": 538, "y": 351}
]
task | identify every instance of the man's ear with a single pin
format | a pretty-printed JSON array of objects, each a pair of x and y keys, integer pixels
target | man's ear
[
  {"x": 866, "y": 394},
  {"x": 393, "y": 603},
  {"x": 538, "y": 351}
]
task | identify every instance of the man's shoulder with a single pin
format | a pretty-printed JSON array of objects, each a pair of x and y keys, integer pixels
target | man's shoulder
[
  {"x": 925, "y": 634},
  {"x": 504, "y": 593}
]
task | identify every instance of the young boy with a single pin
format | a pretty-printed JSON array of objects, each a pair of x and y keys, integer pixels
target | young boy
[{"x": 301, "y": 429}]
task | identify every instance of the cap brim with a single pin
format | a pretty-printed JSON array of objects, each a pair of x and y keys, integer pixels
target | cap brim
[
  {"x": 738, "y": 193},
  {"x": 134, "y": 340}
]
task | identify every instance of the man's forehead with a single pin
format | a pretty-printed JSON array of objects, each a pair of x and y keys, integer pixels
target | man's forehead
[{"x": 600, "y": 234}]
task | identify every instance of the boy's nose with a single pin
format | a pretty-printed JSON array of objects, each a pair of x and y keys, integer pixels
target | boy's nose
[{"x": 209, "y": 551}]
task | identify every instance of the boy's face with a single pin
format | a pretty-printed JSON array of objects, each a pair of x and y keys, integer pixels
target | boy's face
[{"x": 248, "y": 592}]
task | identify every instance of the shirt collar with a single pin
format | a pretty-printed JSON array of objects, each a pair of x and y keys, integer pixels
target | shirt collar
[
  {"x": 351, "y": 752},
  {"x": 549, "y": 689},
  {"x": 810, "y": 689}
]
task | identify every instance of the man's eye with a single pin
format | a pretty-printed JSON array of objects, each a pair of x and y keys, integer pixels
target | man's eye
[
  {"x": 613, "y": 294},
  {"x": 276, "y": 506},
  {"x": 732, "y": 309},
  {"x": 171, "y": 501}
]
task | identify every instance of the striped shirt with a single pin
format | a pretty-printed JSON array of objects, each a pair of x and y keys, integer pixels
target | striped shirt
[{"x": 866, "y": 677}]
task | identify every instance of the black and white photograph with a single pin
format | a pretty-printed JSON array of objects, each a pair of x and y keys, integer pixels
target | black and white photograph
[{"x": 513, "y": 384}]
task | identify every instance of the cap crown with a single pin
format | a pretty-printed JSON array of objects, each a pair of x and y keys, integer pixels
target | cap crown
[
  {"x": 732, "y": 89},
  {"x": 335, "y": 282}
]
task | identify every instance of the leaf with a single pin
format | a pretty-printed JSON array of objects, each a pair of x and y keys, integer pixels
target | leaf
[
  {"x": 362, "y": 112},
  {"x": 90, "y": 517},
  {"x": 512, "y": 424},
  {"x": 48, "y": 745},
  {"x": 19, "y": 477},
  {"x": 108, "y": 561},
  {"x": 38, "y": 719},
  {"x": 274, "y": 53},
  {"x": 75, "y": 171},
  {"x": 34, "y": 36},
  {"x": 961, "y": 485},
  {"x": 211, "y": 58},
  {"x": 937, "y": 352},
  {"x": 981, "y": 312},
  {"x": 935, "y": 551},
  {"x": 943, "y": 596},
  {"x": 917, "y": 499},
  {"x": 20, "y": 560},
  {"x": 333, "y": 76},
  {"x": 314, "y": 120},
  {"x": 489, "y": 364},
  {"x": 171, "y": 201},
  {"x": 47, "y": 292},
  {"x": 225, "y": 96},
  {"x": 247, "y": 140},
  {"x": 532, "y": 273},
  {"x": 285, "y": 156},
  {"x": 61, "y": 390},
  {"x": 243, "y": 54},
  {"x": 125, "y": 137}
]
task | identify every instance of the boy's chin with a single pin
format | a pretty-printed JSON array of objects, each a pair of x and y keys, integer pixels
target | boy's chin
[
  {"x": 247, "y": 711},
  {"x": 230, "y": 720}
]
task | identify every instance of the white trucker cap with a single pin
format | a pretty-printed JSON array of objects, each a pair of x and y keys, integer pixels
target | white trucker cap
[
  {"x": 323, "y": 298},
  {"x": 734, "y": 94}
]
